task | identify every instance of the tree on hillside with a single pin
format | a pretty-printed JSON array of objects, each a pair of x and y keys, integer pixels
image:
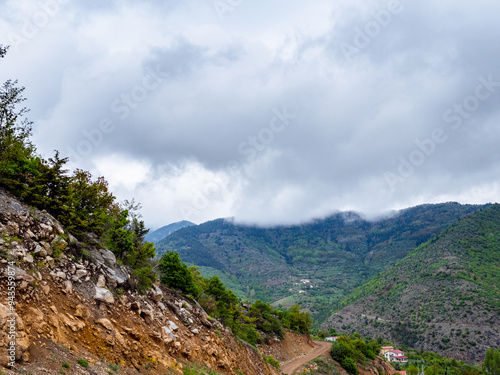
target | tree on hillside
[
  {"x": 175, "y": 274},
  {"x": 16, "y": 150},
  {"x": 491, "y": 364}
]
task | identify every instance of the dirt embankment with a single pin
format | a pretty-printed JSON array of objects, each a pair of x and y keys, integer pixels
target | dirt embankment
[
  {"x": 293, "y": 346},
  {"x": 320, "y": 349}
]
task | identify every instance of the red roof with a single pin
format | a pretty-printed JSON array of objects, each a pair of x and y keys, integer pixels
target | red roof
[
  {"x": 401, "y": 372},
  {"x": 387, "y": 347},
  {"x": 398, "y": 352}
]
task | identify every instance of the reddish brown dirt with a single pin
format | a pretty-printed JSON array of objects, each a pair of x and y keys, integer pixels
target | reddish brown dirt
[{"x": 320, "y": 348}]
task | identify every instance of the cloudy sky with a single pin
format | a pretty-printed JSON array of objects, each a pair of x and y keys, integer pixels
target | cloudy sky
[{"x": 267, "y": 111}]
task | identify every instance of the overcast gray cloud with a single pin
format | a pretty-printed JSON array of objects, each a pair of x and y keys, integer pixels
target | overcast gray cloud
[{"x": 271, "y": 113}]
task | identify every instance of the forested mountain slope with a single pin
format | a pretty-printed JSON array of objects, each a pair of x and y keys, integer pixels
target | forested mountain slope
[
  {"x": 315, "y": 264},
  {"x": 444, "y": 296}
]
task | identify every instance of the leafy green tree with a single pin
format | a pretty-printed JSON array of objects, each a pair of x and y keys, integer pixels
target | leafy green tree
[
  {"x": 140, "y": 254},
  {"x": 93, "y": 203},
  {"x": 17, "y": 159},
  {"x": 175, "y": 274},
  {"x": 120, "y": 240},
  {"x": 341, "y": 349},
  {"x": 297, "y": 320},
  {"x": 491, "y": 363}
]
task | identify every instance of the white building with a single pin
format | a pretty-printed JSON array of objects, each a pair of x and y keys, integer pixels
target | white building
[
  {"x": 395, "y": 356},
  {"x": 332, "y": 338}
]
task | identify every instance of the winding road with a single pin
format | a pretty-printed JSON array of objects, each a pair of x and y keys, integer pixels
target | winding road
[{"x": 321, "y": 348}]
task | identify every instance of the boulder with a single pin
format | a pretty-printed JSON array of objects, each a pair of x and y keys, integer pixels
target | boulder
[
  {"x": 104, "y": 295},
  {"x": 74, "y": 324},
  {"x": 117, "y": 275},
  {"x": 47, "y": 248},
  {"x": 81, "y": 273},
  {"x": 101, "y": 282},
  {"x": 148, "y": 316},
  {"x": 174, "y": 327},
  {"x": 106, "y": 324},
  {"x": 82, "y": 311},
  {"x": 156, "y": 294},
  {"x": 28, "y": 258},
  {"x": 68, "y": 287},
  {"x": 19, "y": 274},
  {"x": 168, "y": 335}
]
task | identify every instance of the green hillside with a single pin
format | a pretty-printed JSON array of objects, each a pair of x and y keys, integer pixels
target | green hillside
[
  {"x": 315, "y": 264},
  {"x": 444, "y": 296}
]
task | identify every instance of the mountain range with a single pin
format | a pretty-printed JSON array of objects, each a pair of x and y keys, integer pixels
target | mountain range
[{"x": 315, "y": 264}]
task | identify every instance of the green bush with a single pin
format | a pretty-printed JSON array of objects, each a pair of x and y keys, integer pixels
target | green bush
[
  {"x": 83, "y": 363},
  {"x": 341, "y": 349},
  {"x": 273, "y": 362},
  {"x": 145, "y": 277},
  {"x": 349, "y": 365}
]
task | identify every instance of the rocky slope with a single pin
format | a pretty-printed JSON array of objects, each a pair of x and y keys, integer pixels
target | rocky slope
[
  {"x": 72, "y": 303},
  {"x": 443, "y": 297}
]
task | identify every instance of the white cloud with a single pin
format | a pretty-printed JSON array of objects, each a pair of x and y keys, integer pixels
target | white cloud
[{"x": 221, "y": 82}]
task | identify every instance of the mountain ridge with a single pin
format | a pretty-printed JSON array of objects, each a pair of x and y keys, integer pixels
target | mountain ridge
[
  {"x": 444, "y": 296},
  {"x": 165, "y": 231}
]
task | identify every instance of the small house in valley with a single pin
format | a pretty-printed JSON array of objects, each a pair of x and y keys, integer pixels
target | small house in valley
[
  {"x": 385, "y": 349},
  {"x": 332, "y": 338},
  {"x": 395, "y": 356}
]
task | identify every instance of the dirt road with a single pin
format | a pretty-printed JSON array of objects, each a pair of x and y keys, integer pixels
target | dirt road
[{"x": 321, "y": 348}]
